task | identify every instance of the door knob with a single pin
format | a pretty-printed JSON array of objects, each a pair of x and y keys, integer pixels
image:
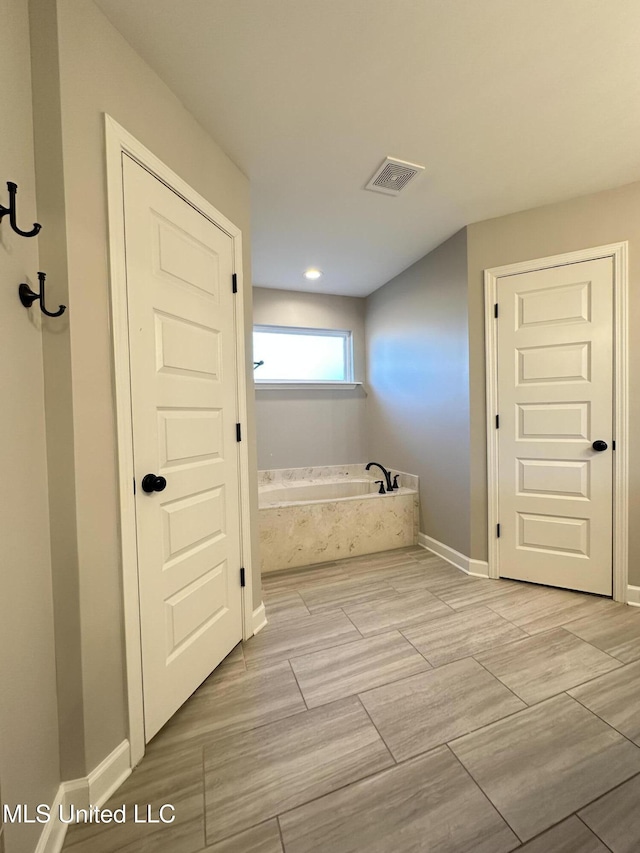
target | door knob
[
  {"x": 599, "y": 445},
  {"x": 153, "y": 483}
]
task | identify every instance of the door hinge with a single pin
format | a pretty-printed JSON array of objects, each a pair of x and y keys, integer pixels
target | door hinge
[
  {"x": 613, "y": 444},
  {"x": 242, "y": 583},
  {"x": 495, "y": 310},
  {"x": 134, "y": 485},
  {"x": 234, "y": 283},
  {"x": 497, "y": 421},
  {"x": 238, "y": 432},
  {"x": 498, "y": 530}
]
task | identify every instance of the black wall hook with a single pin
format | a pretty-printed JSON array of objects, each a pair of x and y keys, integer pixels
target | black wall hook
[
  {"x": 11, "y": 210},
  {"x": 28, "y": 297}
]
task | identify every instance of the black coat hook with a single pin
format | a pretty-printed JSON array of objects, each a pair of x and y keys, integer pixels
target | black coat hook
[
  {"x": 28, "y": 297},
  {"x": 11, "y": 210}
]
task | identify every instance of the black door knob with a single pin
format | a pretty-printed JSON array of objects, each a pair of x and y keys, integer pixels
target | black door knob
[
  {"x": 599, "y": 445},
  {"x": 153, "y": 483}
]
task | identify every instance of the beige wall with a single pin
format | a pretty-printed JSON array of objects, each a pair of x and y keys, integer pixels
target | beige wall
[
  {"x": 298, "y": 429},
  {"x": 418, "y": 385},
  {"x": 58, "y": 388},
  {"x": 99, "y": 73},
  {"x": 29, "y": 766},
  {"x": 593, "y": 220}
]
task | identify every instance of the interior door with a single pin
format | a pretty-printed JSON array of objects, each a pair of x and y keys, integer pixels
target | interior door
[
  {"x": 555, "y": 435},
  {"x": 183, "y": 381}
]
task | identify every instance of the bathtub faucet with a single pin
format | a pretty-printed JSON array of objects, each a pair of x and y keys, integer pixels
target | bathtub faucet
[{"x": 387, "y": 475}]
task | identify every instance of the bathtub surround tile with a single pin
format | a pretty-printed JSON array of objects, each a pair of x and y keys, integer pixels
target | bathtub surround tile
[
  {"x": 427, "y": 804},
  {"x": 615, "y": 818},
  {"x": 300, "y": 534},
  {"x": 243, "y": 701},
  {"x": 615, "y": 630},
  {"x": 256, "y": 775},
  {"x": 346, "y": 670},
  {"x": 542, "y": 764},
  {"x": 376, "y": 617},
  {"x": 570, "y": 836},
  {"x": 283, "y": 475},
  {"x": 264, "y": 838},
  {"x": 615, "y": 698},
  {"x": 419, "y": 713},
  {"x": 297, "y": 636},
  {"x": 542, "y": 666},
  {"x": 330, "y": 472},
  {"x": 337, "y": 594},
  {"x": 461, "y": 634}
]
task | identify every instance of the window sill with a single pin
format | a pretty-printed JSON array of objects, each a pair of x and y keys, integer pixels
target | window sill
[{"x": 306, "y": 386}]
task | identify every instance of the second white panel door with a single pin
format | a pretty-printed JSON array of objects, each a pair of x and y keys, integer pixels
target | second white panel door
[{"x": 555, "y": 436}]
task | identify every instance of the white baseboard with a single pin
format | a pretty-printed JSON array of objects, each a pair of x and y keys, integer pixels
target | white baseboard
[
  {"x": 92, "y": 790},
  {"x": 53, "y": 833},
  {"x": 475, "y": 568},
  {"x": 107, "y": 777},
  {"x": 633, "y": 595},
  {"x": 259, "y": 619},
  {"x": 76, "y": 793}
]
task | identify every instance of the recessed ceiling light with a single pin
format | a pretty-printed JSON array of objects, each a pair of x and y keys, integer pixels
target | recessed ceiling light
[{"x": 312, "y": 274}]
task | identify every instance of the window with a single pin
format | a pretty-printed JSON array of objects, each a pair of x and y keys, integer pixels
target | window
[{"x": 290, "y": 355}]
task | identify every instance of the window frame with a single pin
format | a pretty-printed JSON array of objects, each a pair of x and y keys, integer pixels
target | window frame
[{"x": 305, "y": 384}]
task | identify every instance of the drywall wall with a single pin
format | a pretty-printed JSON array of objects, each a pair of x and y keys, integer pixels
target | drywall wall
[
  {"x": 99, "y": 73},
  {"x": 29, "y": 766},
  {"x": 58, "y": 387},
  {"x": 298, "y": 429},
  {"x": 418, "y": 385},
  {"x": 593, "y": 220}
]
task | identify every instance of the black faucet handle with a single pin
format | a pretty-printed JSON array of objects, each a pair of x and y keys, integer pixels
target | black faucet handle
[
  {"x": 381, "y": 490},
  {"x": 395, "y": 481}
]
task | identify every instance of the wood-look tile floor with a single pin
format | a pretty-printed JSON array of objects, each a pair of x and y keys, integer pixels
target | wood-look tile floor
[{"x": 395, "y": 705}]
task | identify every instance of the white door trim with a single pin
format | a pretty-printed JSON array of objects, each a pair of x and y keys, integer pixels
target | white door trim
[
  {"x": 119, "y": 141},
  {"x": 619, "y": 254}
]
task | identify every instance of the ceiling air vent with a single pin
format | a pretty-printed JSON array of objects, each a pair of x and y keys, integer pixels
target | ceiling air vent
[{"x": 393, "y": 176}]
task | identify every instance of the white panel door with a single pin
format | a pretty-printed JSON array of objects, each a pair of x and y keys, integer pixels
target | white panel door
[
  {"x": 555, "y": 393},
  {"x": 183, "y": 381}
]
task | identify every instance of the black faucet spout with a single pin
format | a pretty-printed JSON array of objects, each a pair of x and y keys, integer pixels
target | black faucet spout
[{"x": 387, "y": 475}]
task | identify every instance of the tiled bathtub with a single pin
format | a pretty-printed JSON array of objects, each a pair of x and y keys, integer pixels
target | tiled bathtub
[{"x": 315, "y": 515}]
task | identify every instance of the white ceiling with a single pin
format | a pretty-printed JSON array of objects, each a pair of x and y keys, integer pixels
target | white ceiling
[{"x": 509, "y": 104}]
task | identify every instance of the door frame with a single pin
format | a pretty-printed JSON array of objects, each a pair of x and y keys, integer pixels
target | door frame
[
  {"x": 118, "y": 143},
  {"x": 618, "y": 252}
]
